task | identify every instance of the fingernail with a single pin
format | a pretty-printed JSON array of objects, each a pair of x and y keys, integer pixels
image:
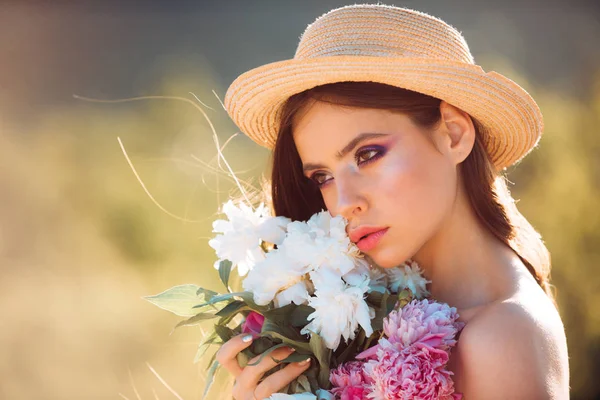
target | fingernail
[
  {"x": 247, "y": 338},
  {"x": 304, "y": 362}
]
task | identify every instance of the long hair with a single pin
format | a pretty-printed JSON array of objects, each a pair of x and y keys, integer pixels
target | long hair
[{"x": 295, "y": 196}]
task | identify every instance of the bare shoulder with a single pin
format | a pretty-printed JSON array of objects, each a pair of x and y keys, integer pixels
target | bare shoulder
[{"x": 514, "y": 349}]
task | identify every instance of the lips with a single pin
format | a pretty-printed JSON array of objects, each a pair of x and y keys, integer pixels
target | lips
[
  {"x": 367, "y": 237},
  {"x": 370, "y": 241},
  {"x": 358, "y": 233}
]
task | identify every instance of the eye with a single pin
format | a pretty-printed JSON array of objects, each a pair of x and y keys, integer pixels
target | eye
[
  {"x": 319, "y": 178},
  {"x": 369, "y": 154},
  {"x": 363, "y": 156}
]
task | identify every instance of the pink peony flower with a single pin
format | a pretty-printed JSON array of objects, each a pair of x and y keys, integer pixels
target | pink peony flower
[
  {"x": 418, "y": 372},
  {"x": 420, "y": 321},
  {"x": 428, "y": 322},
  {"x": 253, "y": 323},
  {"x": 349, "y": 381}
]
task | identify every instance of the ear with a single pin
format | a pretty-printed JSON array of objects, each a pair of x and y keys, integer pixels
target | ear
[{"x": 456, "y": 133}]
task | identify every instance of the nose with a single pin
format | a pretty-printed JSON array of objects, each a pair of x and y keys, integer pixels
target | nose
[{"x": 351, "y": 200}]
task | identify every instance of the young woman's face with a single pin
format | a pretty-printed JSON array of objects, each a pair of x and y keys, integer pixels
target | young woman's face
[{"x": 377, "y": 169}]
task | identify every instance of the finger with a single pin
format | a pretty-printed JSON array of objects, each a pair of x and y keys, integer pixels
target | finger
[
  {"x": 252, "y": 374},
  {"x": 227, "y": 353},
  {"x": 278, "y": 380}
]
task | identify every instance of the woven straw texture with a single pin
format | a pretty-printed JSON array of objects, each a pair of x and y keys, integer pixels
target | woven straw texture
[{"x": 394, "y": 46}]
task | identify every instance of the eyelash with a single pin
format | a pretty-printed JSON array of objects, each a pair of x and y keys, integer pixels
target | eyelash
[{"x": 379, "y": 152}]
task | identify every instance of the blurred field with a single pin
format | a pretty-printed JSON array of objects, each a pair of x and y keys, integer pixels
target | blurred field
[{"x": 81, "y": 242}]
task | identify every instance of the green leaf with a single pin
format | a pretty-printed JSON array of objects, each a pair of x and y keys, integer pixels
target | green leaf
[
  {"x": 224, "y": 272},
  {"x": 260, "y": 345},
  {"x": 232, "y": 308},
  {"x": 227, "y": 318},
  {"x": 266, "y": 353},
  {"x": 323, "y": 354},
  {"x": 299, "y": 317},
  {"x": 195, "y": 320},
  {"x": 374, "y": 298},
  {"x": 203, "y": 347},
  {"x": 243, "y": 358},
  {"x": 390, "y": 304},
  {"x": 210, "y": 377},
  {"x": 387, "y": 305},
  {"x": 301, "y": 385},
  {"x": 374, "y": 337},
  {"x": 280, "y": 316},
  {"x": 294, "y": 357},
  {"x": 404, "y": 297},
  {"x": 212, "y": 359},
  {"x": 248, "y": 298},
  {"x": 284, "y": 330},
  {"x": 350, "y": 351},
  {"x": 304, "y": 347},
  {"x": 224, "y": 332},
  {"x": 217, "y": 299},
  {"x": 312, "y": 373},
  {"x": 208, "y": 294},
  {"x": 179, "y": 300}
]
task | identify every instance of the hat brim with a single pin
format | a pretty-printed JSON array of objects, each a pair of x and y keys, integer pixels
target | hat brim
[{"x": 511, "y": 119}]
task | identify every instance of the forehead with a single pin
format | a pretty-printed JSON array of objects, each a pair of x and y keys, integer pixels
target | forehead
[{"x": 329, "y": 127}]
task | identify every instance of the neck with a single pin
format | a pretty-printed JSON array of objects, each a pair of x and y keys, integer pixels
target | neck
[{"x": 467, "y": 265}]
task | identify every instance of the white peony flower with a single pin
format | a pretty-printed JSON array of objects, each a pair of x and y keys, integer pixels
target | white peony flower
[
  {"x": 297, "y": 396},
  {"x": 321, "y": 241},
  {"x": 379, "y": 279},
  {"x": 299, "y": 243},
  {"x": 356, "y": 277},
  {"x": 239, "y": 239},
  {"x": 363, "y": 271},
  {"x": 408, "y": 276},
  {"x": 359, "y": 274},
  {"x": 339, "y": 308},
  {"x": 326, "y": 278},
  {"x": 273, "y": 229},
  {"x": 323, "y": 224},
  {"x": 297, "y": 294},
  {"x": 269, "y": 276}
]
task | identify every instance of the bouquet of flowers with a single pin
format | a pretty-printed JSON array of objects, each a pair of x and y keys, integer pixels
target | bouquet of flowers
[{"x": 307, "y": 286}]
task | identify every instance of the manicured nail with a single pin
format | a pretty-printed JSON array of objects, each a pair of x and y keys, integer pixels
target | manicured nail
[
  {"x": 247, "y": 338},
  {"x": 304, "y": 362}
]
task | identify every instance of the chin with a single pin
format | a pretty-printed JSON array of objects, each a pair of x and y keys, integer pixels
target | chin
[
  {"x": 385, "y": 260},
  {"x": 391, "y": 255}
]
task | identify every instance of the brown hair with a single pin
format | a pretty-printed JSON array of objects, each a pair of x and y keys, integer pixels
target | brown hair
[{"x": 295, "y": 196}]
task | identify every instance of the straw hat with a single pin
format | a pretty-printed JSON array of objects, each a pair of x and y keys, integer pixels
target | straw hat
[{"x": 393, "y": 46}]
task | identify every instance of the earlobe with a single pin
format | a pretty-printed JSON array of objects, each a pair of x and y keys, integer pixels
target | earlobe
[{"x": 460, "y": 132}]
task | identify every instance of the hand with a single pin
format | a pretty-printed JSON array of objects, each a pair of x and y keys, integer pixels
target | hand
[{"x": 247, "y": 386}]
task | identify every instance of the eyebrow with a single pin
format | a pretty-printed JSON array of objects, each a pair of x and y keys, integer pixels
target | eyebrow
[{"x": 347, "y": 149}]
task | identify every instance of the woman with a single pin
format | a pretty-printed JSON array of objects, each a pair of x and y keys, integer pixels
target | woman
[{"x": 383, "y": 117}]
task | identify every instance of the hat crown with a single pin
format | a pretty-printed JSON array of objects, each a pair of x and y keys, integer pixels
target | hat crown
[{"x": 382, "y": 31}]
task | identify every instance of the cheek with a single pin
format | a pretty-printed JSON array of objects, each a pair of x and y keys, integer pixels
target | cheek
[
  {"x": 422, "y": 186},
  {"x": 415, "y": 183},
  {"x": 413, "y": 195}
]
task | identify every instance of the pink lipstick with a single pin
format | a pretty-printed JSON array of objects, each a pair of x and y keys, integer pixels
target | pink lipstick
[{"x": 369, "y": 241}]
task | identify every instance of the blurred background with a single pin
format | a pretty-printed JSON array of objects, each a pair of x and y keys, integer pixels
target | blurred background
[{"x": 81, "y": 242}]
